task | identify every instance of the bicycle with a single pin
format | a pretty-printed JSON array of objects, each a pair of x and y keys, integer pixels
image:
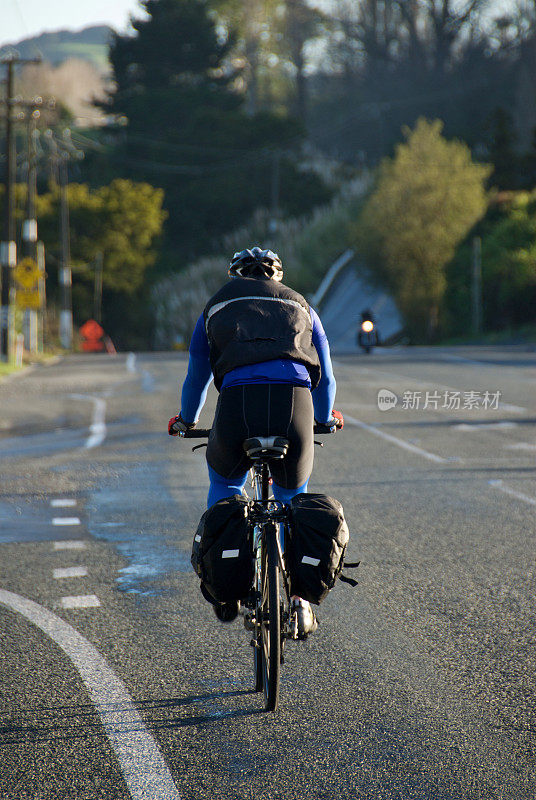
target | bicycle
[{"x": 268, "y": 612}]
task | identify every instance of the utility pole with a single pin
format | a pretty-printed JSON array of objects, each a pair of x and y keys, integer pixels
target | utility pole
[
  {"x": 97, "y": 296},
  {"x": 276, "y": 191},
  {"x": 59, "y": 159},
  {"x": 8, "y": 247},
  {"x": 476, "y": 285},
  {"x": 66, "y": 279},
  {"x": 29, "y": 227}
]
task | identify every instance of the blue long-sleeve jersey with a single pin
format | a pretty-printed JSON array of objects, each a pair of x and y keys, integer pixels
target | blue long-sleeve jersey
[{"x": 199, "y": 376}]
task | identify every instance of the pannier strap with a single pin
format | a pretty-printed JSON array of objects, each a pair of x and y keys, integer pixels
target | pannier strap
[{"x": 345, "y": 578}]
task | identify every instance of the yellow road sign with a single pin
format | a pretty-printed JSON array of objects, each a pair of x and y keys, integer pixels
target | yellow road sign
[{"x": 27, "y": 275}]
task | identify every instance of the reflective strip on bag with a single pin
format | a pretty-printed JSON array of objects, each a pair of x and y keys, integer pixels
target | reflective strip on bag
[
  {"x": 230, "y": 554},
  {"x": 314, "y": 562}
]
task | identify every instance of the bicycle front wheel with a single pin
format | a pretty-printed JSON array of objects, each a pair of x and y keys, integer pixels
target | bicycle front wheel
[{"x": 270, "y": 618}]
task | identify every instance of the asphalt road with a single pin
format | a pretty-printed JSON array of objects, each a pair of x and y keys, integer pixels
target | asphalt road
[{"x": 117, "y": 681}]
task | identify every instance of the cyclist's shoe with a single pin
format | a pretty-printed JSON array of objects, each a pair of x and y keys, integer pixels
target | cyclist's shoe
[
  {"x": 226, "y": 612},
  {"x": 307, "y": 621}
]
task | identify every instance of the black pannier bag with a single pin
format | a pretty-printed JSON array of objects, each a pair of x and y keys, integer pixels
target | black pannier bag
[
  {"x": 222, "y": 550},
  {"x": 316, "y": 545}
]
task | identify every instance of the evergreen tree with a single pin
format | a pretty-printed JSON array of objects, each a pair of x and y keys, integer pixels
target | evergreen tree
[{"x": 184, "y": 129}]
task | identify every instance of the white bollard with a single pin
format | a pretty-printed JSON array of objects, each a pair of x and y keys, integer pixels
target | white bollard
[{"x": 19, "y": 349}]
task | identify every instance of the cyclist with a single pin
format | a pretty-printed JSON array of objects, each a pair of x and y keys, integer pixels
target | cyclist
[{"x": 269, "y": 356}]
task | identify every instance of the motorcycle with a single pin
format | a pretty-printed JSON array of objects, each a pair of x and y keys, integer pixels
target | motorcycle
[{"x": 367, "y": 336}]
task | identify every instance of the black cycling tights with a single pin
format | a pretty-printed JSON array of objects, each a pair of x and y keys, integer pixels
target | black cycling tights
[{"x": 266, "y": 409}]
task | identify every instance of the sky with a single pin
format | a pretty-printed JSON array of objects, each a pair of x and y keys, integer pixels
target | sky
[{"x": 20, "y": 19}]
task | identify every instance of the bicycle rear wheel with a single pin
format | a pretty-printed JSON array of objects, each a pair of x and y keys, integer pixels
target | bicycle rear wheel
[{"x": 270, "y": 618}]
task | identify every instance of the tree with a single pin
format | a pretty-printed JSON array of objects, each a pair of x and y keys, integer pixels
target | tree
[
  {"x": 426, "y": 200},
  {"x": 186, "y": 128},
  {"x": 122, "y": 221}
]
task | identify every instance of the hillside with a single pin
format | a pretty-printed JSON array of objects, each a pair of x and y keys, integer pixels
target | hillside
[{"x": 89, "y": 44}]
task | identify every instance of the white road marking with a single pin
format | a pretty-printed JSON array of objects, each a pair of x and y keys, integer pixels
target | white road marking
[
  {"x": 70, "y": 544},
  {"x": 70, "y": 572},
  {"x": 512, "y": 409},
  {"x": 62, "y": 502},
  {"x": 501, "y": 406},
  {"x": 399, "y": 442},
  {"x": 65, "y": 521},
  {"x": 521, "y": 446},
  {"x": 145, "y": 772},
  {"x": 131, "y": 362},
  {"x": 110, "y": 524},
  {"x": 97, "y": 429},
  {"x": 484, "y": 426},
  {"x": 80, "y": 601},
  {"x": 498, "y": 484}
]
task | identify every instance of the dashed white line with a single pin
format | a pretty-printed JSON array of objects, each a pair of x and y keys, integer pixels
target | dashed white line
[
  {"x": 498, "y": 484},
  {"x": 531, "y": 448},
  {"x": 62, "y": 502},
  {"x": 144, "y": 769},
  {"x": 80, "y": 601},
  {"x": 70, "y": 572},
  {"x": 65, "y": 521},
  {"x": 394, "y": 440},
  {"x": 69, "y": 544}
]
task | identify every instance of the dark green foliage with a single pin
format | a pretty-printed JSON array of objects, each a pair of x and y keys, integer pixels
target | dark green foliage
[
  {"x": 123, "y": 222},
  {"x": 508, "y": 235},
  {"x": 185, "y": 130},
  {"x": 501, "y": 150}
]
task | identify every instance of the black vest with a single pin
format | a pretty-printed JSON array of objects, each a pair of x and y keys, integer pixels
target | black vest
[{"x": 250, "y": 320}]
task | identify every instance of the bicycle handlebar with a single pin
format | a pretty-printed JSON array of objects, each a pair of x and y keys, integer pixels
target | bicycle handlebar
[{"x": 204, "y": 433}]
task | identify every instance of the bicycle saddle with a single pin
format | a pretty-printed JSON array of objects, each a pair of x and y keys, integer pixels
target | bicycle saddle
[{"x": 266, "y": 447}]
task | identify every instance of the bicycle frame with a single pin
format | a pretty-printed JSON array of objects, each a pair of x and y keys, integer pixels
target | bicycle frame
[{"x": 272, "y": 614}]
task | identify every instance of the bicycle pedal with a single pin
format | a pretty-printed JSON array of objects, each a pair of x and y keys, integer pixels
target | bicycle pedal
[
  {"x": 293, "y": 626},
  {"x": 249, "y": 622}
]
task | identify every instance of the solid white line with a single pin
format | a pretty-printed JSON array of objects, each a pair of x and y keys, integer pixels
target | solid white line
[
  {"x": 70, "y": 572},
  {"x": 484, "y": 426},
  {"x": 521, "y": 446},
  {"x": 394, "y": 440},
  {"x": 498, "y": 484},
  {"x": 80, "y": 601},
  {"x": 65, "y": 521},
  {"x": 144, "y": 769},
  {"x": 62, "y": 502},
  {"x": 69, "y": 544}
]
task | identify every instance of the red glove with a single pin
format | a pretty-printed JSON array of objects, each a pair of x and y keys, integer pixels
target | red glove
[
  {"x": 339, "y": 419},
  {"x": 177, "y": 425}
]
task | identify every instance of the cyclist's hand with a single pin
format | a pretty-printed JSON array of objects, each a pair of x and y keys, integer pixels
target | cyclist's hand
[
  {"x": 177, "y": 425},
  {"x": 338, "y": 419}
]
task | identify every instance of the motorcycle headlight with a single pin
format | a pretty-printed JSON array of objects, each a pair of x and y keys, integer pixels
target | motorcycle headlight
[{"x": 367, "y": 326}]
